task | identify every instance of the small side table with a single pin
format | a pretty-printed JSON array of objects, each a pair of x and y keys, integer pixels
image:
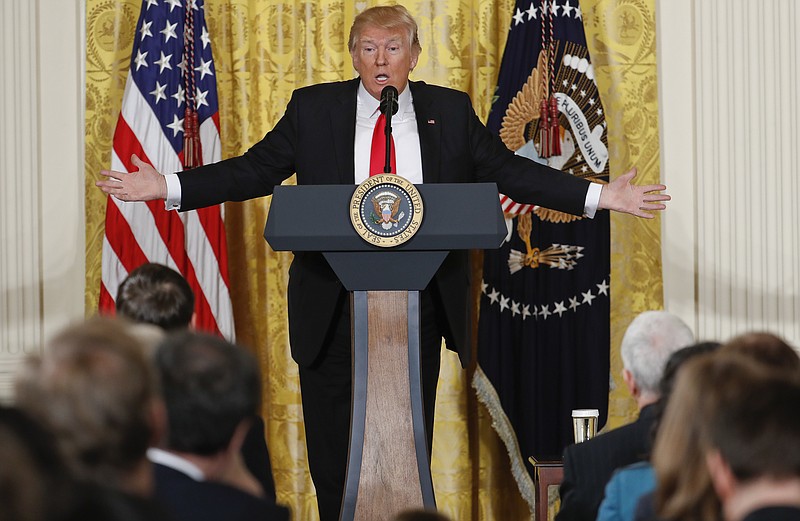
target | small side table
[{"x": 548, "y": 476}]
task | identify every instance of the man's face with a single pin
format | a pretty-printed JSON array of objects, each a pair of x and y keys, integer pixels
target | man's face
[{"x": 383, "y": 57}]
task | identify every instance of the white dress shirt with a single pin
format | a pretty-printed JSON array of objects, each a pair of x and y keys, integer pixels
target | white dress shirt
[
  {"x": 404, "y": 134},
  {"x": 175, "y": 462}
]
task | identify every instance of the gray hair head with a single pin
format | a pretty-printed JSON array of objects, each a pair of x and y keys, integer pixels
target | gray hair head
[{"x": 648, "y": 342}]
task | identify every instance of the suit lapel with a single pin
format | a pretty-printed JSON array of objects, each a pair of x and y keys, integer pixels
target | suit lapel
[
  {"x": 429, "y": 126},
  {"x": 343, "y": 130}
]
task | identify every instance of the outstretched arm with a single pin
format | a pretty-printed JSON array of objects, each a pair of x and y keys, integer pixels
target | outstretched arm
[
  {"x": 143, "y": 185},
  {"x": 639, "y": 200}
]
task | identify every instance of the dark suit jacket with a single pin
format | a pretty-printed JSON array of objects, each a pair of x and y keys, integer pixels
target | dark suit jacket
[
  {"x": 315, "y": 139},
  {"x": 646, "y": 508},
  {"x": 589, "y": 465},
  {"x": 256, "y": 457},
  {"x": 775, "y": 513},
  {"x": 188, "y": 500},
  {"x": 90, "y": 501}
]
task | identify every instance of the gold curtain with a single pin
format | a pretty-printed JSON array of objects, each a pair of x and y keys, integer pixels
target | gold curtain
[
  {"x": 263, "y": 49},
  {"x": 621, "y": 38}
]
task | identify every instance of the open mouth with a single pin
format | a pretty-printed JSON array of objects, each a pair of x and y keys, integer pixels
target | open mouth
[{"x": 381, "y": 78}]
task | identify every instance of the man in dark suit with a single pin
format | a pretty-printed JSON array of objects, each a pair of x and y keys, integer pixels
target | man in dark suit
[
  {"x": 211, "y": 390},
  {"x": 325, "y": 138},
  {"x": 648, "y": 342}
]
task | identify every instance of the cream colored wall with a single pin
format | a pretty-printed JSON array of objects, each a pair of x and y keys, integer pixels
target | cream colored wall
[
  {"x": 676, "y": 87},
  {"x": 728, "y": 78},
  {"x": 41, "y": 175}
]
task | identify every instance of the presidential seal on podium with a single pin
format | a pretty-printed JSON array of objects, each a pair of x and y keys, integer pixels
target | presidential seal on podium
[{"x": 386, "y": 210}]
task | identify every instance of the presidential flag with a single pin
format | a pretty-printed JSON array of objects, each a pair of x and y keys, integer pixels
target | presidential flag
[
  {"x": 543, "y": 338},
  {"x": 170, "y": 119}
]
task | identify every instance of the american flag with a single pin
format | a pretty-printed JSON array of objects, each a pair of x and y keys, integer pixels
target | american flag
[{"x": 171, "y": 71}]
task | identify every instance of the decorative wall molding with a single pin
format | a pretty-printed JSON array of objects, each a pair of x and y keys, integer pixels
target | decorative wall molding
[
  {"x": 20, "y": 252},
  {"x": 41, "y": 176},
  {"x": 740, "y": 115}
]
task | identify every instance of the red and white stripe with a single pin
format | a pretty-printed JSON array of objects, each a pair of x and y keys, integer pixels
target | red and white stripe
[
  {"x": 192, "y": 243},
  {"x": 513, "y": 208}
]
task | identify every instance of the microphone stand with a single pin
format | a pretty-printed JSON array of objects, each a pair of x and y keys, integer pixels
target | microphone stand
[{"x": 387, "y": 167}]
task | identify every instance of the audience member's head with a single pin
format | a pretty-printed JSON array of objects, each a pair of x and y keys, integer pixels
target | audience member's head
[
  {"x": 677, "y": 360},
  {"x": 211, "y": 389},
  {"x": 767, "y": 348},
  {"x": 156, "y": 294},
  {"x": 34, "y": 483},
  {"x": 648, "y": 342},
  {"x": 420, "y": 515},
  {"x": 95, "y": 390},
  {"x": 753, "y": 448},
  {"x": 683, "y": 441},
  {"x": 684, "y": 486}
]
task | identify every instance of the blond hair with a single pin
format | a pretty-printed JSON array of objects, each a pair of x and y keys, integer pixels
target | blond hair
[
  {"x": 684, "y": 489},
  {"x": 388, "y": 17}
]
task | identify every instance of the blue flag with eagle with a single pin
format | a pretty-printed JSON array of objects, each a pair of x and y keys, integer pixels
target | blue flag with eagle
[{"x": 543, "y": 334}]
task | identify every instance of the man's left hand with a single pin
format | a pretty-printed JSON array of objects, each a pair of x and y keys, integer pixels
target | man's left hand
[{"x": 622, "y": 196}]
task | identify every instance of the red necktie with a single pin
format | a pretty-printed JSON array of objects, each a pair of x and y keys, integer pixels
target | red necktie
[{"x": 377, "y": 157}]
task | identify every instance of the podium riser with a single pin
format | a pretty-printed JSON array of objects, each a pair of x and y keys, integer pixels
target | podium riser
[{"x": 392, "y": 471}]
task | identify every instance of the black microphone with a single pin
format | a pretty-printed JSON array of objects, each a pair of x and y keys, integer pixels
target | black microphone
[
  {"x": 389, "y": 101},
  {"x": 388, "y": 108}
]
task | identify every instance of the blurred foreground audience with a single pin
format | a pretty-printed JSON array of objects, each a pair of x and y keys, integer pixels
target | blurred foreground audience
[
  {"x": 34, "y": 483},
  {"x": 75, "y": 447},
  {"x": 95, "y": 391},
  {"x": 684, "y": 440},
  {"x": 753, "y": 452},
  {"x": 629, "y": 484},
  {"x": 420, "y": 515},
  {"x": 765, "y": 348}
]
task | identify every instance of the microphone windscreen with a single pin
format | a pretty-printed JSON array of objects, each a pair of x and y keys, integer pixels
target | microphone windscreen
[{"x": 389, "y": 100}]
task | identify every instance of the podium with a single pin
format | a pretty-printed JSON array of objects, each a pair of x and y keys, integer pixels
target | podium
[{"x": 388, "y": 466}]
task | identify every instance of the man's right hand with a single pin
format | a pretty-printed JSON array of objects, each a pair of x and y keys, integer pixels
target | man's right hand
[{"x": 143, "y": 185}]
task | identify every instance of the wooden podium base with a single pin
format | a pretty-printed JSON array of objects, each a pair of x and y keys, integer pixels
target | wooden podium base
[{"x": 388, "y": 467}]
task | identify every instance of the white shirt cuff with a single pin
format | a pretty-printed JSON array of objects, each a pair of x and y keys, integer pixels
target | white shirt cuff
[
  {"x": 589, "y": 206},
  {"x": 173, "y": 200}
]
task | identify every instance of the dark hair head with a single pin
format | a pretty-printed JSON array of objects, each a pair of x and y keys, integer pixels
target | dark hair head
[
  {"x": 753, "y": 417},
  {"x": 677, "y": 360},
  {"x": 765, "y": 348},
  {"x": 33, "y": 479},
  {"x": 420, "y": 515},
  {"x": 156, "y": 294},
  {"x": 210, "y": 386}
]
